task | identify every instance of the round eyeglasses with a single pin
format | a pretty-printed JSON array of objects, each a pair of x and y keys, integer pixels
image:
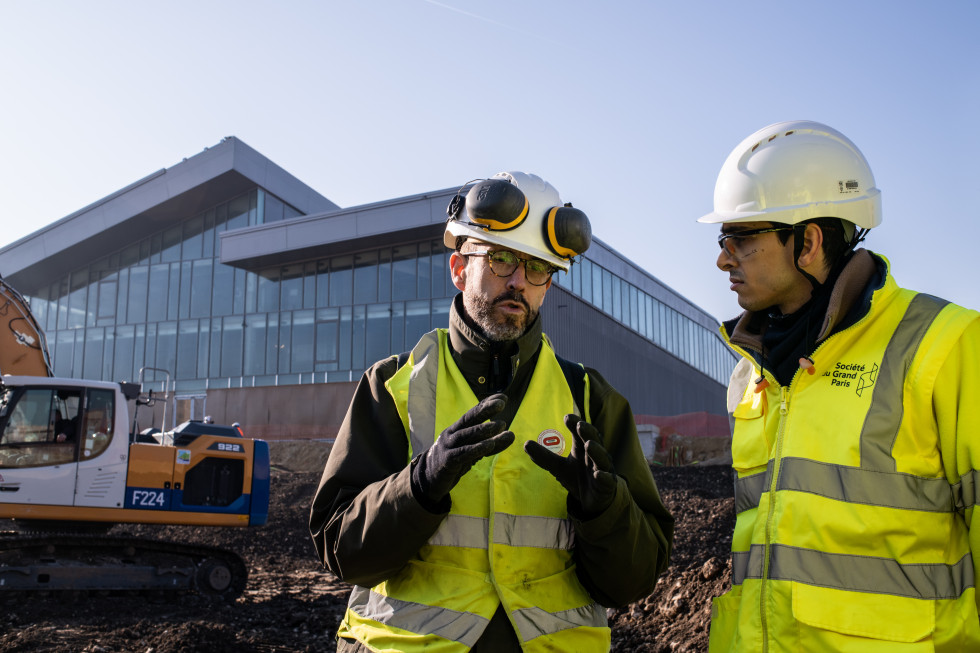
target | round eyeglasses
[
  {"x": 503, "y": 263},
  {"x": 735, "y": 243}
]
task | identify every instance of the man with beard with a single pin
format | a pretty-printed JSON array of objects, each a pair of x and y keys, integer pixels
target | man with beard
[
  {"x": 455, "y": 537},
  {"x": 855, "y": 417}
]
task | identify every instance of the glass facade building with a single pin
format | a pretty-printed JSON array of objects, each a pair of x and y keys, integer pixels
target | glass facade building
[{"x": 225, "y": 277}]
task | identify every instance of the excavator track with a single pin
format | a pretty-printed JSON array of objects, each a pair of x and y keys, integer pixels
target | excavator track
[{"x": 77, "y": 562}]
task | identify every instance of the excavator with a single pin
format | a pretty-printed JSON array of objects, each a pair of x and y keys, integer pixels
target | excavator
[{"x": 73, "y": 466}]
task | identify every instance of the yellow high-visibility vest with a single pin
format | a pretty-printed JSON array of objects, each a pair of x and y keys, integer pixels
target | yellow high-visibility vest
[
  {"x": 851, "y": 534},
  {"x": 506, "y": 540}
]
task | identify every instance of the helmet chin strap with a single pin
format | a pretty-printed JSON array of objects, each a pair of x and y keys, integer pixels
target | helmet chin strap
[{"x": 799, "y": 232}]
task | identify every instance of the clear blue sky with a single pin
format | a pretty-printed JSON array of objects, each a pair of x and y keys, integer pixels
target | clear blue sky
[{"x": 628, "y": 108}]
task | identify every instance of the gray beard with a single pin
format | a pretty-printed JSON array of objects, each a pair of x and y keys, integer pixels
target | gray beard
[{"x": 495, "y": 327}]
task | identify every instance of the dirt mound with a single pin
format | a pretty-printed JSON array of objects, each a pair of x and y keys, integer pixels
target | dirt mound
[{"x": 290, "y": 604}]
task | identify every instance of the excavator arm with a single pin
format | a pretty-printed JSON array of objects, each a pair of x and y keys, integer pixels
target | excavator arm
[{"x": 23, "y": 351}]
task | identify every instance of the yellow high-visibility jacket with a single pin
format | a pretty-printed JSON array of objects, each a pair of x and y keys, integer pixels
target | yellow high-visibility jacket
[
  {"x": 507, "y": 538},
  {"x": 856, "y": 490}
]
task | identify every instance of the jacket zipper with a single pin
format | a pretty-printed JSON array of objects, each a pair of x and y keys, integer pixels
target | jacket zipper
[{"x": 766, "y": 560}]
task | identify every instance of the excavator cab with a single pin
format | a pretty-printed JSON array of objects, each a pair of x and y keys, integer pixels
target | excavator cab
[{"x": 41, "y": 426}]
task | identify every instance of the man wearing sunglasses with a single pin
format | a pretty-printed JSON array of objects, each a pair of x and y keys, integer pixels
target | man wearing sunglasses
[
  {"x": 856, "y": 436},
  {"x": 483, "y": 493}
]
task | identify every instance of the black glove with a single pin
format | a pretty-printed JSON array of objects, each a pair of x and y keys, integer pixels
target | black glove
[
  {"x": 458, "y": 448},
  {"x": 587, "y": 473}
]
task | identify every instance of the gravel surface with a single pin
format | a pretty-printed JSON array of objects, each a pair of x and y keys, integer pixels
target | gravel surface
[{"x": 291, "y": 604}]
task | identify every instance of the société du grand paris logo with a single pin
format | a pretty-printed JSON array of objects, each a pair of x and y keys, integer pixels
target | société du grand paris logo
[{"x": 859, "y": 376}]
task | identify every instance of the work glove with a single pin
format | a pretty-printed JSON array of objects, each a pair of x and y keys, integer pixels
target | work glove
[
  {"x": 587, "y": 473},
  {"x": 457, "y": 449}
]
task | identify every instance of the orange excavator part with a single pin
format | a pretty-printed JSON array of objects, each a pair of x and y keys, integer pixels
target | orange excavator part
[{"x": 23, "y": 351}]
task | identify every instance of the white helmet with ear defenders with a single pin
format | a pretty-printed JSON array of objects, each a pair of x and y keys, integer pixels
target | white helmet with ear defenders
[{"x": 522, "y": 212}]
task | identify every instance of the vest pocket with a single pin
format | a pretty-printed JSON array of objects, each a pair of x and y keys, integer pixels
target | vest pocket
[
  {"x": 750, "y": 448},
  {"x": 724, "y": 618},
  {"x": 830, "y": 618}
]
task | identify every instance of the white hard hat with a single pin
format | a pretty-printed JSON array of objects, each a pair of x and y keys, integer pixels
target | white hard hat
[
  {"x": 522, "y": 212},
  {"x": 795, "y": 171}
]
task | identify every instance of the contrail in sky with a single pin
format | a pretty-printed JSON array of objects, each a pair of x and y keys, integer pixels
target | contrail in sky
[{"x": 488, "y": 20}]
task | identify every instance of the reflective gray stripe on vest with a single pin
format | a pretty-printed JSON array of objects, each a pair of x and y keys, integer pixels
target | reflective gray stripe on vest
[
  {"x": 510, "y": 530},
  {"x": 421, "y": 391},
  {"x": 463, "y": 627},
  {"x": 967, "y": 491},
  {"x": 535, "y": 622},
  {"x": 865, "y": 486},
  {"x": 855, "y": 573},
  {"x": 853, "y": 485},
  {"x": 885, "y": 414},
  {"x": 749, "y": 489}
]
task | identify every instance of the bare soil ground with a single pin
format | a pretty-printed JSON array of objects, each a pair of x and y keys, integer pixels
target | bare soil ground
[{"x": 291, "y": 604}]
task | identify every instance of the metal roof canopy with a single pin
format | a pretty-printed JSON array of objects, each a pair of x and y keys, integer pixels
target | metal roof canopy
[{"x": 151, "y": 204}]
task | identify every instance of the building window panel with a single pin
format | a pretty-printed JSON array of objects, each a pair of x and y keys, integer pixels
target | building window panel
[
  {"x": 255, "y": 343},
  {"x": 366, "y": 277},
  {"x": 139, "y": 350},
  {"x": 301, "y": 345},
  {"x": 309, "y": 285},
  {"x": 137, "y": 294},
  {"x": 403, "y": 272},
  {"x": 200, "y": 285},
  {"x": 193, "y": 238},
  {"x": 155, "y": 245},
  {"x": 173, "y": 291},
  {"x": 323, "y": 283},
  {"x": 207, "y": 236},
  {"x": 417, "y": 320},
  {"x": 268, "y": 291},
  {"x": 278, "y": 343},
  {"x": 214, "y": 355},
  {"x": 203, "y": 349},
  {"x": 77, "y": 299},
  {"x": 384, "y": 275},
  {"x": 341, "y": 281},
  {"x": 398, "y": 328},
  {"x": 237, "y": 213},
  {"x": 122, "y": 369},
  {"x": 187, "y": 349},
  {"x": 106, "y": 301},
  {"x": 231, "y": 346},
  {"x": 157, "y": 293},
  {"x": 184, "y": 282},
  {"x": 344, "y": 339},
  {"x": 166, "y": 351},
  {"x": 634, "y": 309},
  {"x": 170, "y": 250},
  {"x": 358, "y": 337},
  {"x": 246, "y": 292},
  {"x": 442, "y": 283},
  {"x": 378, "y": 333},
  {"x": 327, "y": 334},
  {"x": 273, "y": 208},
  {"x": 222, "y": 290},
  {"x": 94, "y": 347},
  {"x": 616, "y": 294},
  {"x": 424, "y": 272},
  {"x": 291, "y": 288}
]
